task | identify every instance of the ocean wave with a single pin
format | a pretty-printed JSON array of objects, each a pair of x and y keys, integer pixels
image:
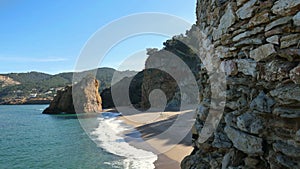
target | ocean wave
[
  {"x": 114, "y": 164},
  {"x": 110, "y": 134}
]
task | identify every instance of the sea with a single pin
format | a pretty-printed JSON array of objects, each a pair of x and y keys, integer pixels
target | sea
[{"x": 32, "y": 140}]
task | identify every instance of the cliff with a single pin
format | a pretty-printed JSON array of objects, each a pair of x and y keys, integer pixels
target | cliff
[
  {"x": 7, "y": 81},
  {"x": 62, "y": 102},
  {"x": 260, "y": 127},
  {"x": 83, "y": 97},
  {"x": 162, "y": 67},
  {"x": 135, "y": 90}
]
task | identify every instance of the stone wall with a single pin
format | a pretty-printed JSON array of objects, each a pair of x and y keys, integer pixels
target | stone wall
[{"x": 260, "y": 127}]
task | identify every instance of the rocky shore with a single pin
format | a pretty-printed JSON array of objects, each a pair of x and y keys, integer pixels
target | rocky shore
[{"x": 25, "y": 101}]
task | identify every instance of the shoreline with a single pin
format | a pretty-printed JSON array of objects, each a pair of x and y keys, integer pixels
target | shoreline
[{"x": 170, "y": 155}]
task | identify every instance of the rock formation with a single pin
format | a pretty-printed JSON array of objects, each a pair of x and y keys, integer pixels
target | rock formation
[
  {"x": 7, "y": 81},
  {"x": 156, "y": 78},
  {"x": 144, "y": 82},
  {"x": 83, "y": 97},
  {"x": 260, "y": 127},
  {"x": 135, "y": 91},
  {"x": 62, "y": 102}
]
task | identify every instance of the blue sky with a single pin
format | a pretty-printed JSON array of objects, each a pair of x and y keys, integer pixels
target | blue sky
[{"x": 47, "y": 36}]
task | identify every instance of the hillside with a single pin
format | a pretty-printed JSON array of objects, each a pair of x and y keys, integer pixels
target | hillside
[
  {"x": 33, "y": 87},
  {"x": 7, "y": 81}
]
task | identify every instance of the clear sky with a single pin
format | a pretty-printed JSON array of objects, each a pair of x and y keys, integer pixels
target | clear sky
[{"x": 48, "y": 35}]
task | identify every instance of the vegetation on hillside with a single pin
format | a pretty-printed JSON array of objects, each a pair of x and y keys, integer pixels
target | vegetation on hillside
[{"x": 36, "y": 84}]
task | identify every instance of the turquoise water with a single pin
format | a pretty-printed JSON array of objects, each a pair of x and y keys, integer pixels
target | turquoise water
[{"x": 30, "y": 139}]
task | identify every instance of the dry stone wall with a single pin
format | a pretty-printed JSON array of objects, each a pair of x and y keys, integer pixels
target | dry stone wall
[{"x": 260, "y": 127}]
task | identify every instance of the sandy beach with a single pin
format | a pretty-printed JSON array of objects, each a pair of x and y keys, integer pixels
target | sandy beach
[{"x": 169, "y": 146}]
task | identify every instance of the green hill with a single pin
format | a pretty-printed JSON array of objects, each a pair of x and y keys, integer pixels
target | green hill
[{"x": 42, "y": 85}]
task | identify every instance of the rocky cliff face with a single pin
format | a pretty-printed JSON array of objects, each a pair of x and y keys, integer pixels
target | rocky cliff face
[
  {"x": 157, "y": 77},
  {"x": 61, "y": 103},
  {"x": 260, "y": 127},
  {"x": 7, "y": 81},
  {"x": 83, "y": 97},
  {"x": 135, "y": 84}
]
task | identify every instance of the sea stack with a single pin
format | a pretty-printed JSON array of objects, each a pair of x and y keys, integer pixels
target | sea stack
[{"x": 82, "y": 97}]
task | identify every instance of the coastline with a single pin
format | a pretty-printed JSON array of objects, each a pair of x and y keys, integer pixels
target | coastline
[
  {"x": 25, "y": 102},
  {"x": 173, "y": 156}
]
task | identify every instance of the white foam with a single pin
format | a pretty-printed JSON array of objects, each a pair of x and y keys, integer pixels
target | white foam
[
  {"x": 110, "y": 136},
  {"x": 114, "y": 164}
]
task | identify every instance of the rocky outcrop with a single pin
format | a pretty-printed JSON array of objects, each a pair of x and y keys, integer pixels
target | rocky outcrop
[
  {"x": 162, "y": 67},
  {"x": 7, "y": 81},
  {"x": 83, "y": 97},
  {"x": 25, "y": 101},
  {"x": 143, "y": 83},
  {"x": 62, "y": 102},
  {"x": 156, "y": 79},
  {"x": 135, "y": 92},
  {"x": 139, "y": 90},
  {"x": 260, "y": 127}
]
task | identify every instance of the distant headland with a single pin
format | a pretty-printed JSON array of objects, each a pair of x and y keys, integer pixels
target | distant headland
[{"x": 40, "y": 88}]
